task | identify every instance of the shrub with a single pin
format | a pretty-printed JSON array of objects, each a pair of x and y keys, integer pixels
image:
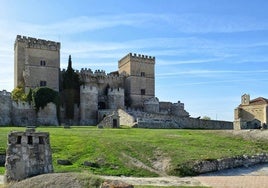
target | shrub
[
  {"x": 18, "y": 94},
  {"x": 44, "y": 95}
]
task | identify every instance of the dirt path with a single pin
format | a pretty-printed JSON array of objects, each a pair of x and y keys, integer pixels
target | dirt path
[
  {"x": 210, "y": 181},
  {"x": 234, "y": 181},
  {"x": 159, "y": 181}
]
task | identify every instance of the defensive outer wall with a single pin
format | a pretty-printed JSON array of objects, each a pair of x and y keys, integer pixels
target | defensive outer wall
[
  {"x": 24, "y": 114},
  {"x": 139, "y": 119}
]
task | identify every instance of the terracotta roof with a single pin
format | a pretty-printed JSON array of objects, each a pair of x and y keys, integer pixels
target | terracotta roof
[{"x": 259, "y": 100}]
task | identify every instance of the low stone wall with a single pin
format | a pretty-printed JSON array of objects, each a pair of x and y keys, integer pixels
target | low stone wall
[
  {"x": 194, "y": 123},
  {"x": 170, "y": 122},
  {"x": 162, "y": 121},
  {"x": 206, "y": 166}
]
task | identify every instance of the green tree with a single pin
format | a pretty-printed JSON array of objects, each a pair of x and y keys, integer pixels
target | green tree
[
  {"x": 18, "y": 94},
  {"x": 71, "y": 89},
  {"x": 206, "y": 118}
]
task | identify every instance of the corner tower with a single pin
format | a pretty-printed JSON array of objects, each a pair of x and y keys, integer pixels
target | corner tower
[
  {"x": 140, "y": 78},
  {"x": 36, "y": 63}
]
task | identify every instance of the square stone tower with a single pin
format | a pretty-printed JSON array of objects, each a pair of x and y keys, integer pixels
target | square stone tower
[
  {"x": 36, "y": 63},
  {"x": 140, "y": 80}
]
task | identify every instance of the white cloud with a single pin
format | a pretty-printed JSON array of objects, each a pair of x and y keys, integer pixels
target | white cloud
[{"x": 218, "y": 23}]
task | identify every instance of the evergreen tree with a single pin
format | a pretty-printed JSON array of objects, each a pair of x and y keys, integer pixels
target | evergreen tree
[{"x": 71, "y": 89}]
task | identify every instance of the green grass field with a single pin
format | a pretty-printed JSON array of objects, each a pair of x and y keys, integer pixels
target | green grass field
[{"x": 111, "y": 149}]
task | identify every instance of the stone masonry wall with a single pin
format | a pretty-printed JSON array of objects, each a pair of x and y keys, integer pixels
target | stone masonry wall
[
  {"x": 28, "y": 154},
  {"x": 5, "y": 108},
  {"x": 206, "y": 166},
  {"x": 125, "y": 118},
  {"x": 23, "y": 114},
  {"x": 110, "y": 121},
  {"x": 88, "y": 105},
  {"x": 48, "y": 115},
  {"x": 161, "y": 121}
]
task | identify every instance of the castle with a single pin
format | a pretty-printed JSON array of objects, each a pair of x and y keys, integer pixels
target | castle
[{"x": 123, "y": 97}]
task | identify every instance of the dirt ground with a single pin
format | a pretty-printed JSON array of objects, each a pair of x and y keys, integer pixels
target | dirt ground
[{"x": 255, "y": 134}]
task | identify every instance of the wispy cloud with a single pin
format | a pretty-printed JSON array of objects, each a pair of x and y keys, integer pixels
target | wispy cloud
[
  {"x": 205, "y": 23},
  {"x": 220, "y": 81},
  {"x": 162, "y": 62},
  {"x": 208, "y": 73}
]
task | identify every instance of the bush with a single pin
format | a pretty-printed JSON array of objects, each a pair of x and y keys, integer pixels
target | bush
[
  {"x": 44, "y": 95},
  {"x": 18, "y": 94}
]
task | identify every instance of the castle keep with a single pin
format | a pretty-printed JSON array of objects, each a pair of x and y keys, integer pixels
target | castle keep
[
  {"x": 36, "y": 63},
  {"x": 123, "y": 97}
]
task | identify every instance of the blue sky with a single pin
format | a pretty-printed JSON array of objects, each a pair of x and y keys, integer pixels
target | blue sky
[{"x": 208, "y": 52}]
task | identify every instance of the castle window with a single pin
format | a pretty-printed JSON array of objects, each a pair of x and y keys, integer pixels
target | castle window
[
  {"x": 30, "y": 140},
  {"x": 19, "y": 140},
  {"x": 41, "y": 140},
  {"x": 43, "y": 83},
  {"x": 142, "y": 74},
  {"x": 142, "y": 91},
  {"x": 43, "y": 63}
]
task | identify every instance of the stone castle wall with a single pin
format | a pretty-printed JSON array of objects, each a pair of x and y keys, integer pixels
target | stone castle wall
[
  {"x": 101, "y": 80},
  {"x": 88, "y": 105},
  {"x": 116, "y": 98},
  {"x": 5, "y": 108},
  {"x": 47, "y": 115},
  {"x": 24, "y": 114}
]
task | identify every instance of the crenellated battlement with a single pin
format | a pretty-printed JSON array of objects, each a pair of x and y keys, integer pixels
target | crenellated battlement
[
  {"x": 141, "y": 56},
  {"x": 135, "y": 58},
  {"x": 87, "y": 75},
  {"x": 116, "y": 91},
  {"x": 5, "y": 93},
  {"x": 88, "y": 89},
  {"x": 38, "y": 43},
  {"x": 22, "y": 105}
]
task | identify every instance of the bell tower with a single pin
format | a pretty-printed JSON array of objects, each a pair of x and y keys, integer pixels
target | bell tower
[{"x": 245, "y": 99}]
